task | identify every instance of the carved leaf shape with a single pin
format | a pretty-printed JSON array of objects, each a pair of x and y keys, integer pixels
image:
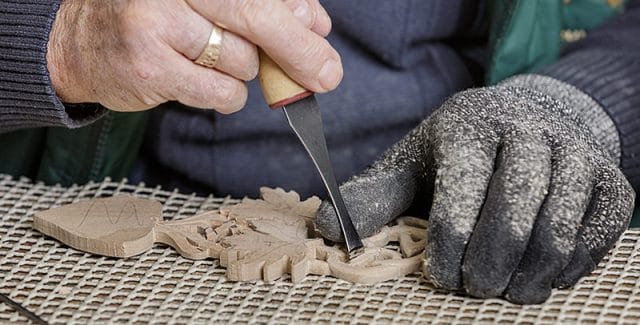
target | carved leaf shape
[
  {"x": 256, "y": 256},
  {"x": 277, "y": 239},
  {"x": 278, "y": 213}
]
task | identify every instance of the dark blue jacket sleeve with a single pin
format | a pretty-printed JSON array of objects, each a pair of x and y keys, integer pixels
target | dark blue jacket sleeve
[
  {"x": 606, "y": 66},
  {"x": 27, "y": 98}
]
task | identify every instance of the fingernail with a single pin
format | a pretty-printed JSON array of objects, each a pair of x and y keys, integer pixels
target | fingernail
[
  {"x": 330, "y": 75},
  {"x": 303, "y": 12}
]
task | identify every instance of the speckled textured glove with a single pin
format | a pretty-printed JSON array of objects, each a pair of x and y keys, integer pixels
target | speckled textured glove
[{"x": 523, "y": 185}]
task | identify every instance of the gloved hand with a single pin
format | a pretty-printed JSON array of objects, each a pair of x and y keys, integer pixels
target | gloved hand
[{"x": 523, "y": 197}]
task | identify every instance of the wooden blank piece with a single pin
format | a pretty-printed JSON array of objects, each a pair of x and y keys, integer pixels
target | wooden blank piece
[
  {"x": 124, "y": 226},
  {"x": 261, "y": 239}
]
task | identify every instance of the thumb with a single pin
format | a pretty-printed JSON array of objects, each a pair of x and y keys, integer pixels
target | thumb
[{"x": 381, "y": 193}]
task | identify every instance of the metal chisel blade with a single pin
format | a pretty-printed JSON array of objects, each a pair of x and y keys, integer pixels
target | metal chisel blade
[{"x": 305, "y": 120}]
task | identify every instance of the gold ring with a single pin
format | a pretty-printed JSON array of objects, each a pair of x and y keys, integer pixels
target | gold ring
[{"x": 211, "y": 52}]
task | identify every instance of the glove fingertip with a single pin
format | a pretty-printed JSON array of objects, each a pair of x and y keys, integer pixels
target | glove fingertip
[
  {"x": 477, "y": 285},
  {"x": 581, "y": 264},
  {"x": 525, "y": 291},
  {"x": 326, "y": 223},
  {"x": 372, "y": 202},
  {"x": 528, "y": 296}
]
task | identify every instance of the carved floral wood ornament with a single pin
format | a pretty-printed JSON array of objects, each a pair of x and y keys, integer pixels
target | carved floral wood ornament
[{"x": 260, "y": 239}]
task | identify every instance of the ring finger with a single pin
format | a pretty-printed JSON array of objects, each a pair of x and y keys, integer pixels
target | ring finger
[{"x": 238, "y": 57}]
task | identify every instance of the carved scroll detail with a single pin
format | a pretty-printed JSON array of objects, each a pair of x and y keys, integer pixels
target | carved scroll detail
[{"x": 261, "y": 239}]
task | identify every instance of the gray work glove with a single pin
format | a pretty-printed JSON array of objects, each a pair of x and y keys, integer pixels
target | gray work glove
[{"x": 525, "y": 194}]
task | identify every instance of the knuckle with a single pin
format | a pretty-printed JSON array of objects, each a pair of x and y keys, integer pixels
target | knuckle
[
  {"x": 251, "y": 14},
  {"x": 304, "y": 12},
  {"x": 148, "y": 101},
  {"x": 291, "y": 4},
  {"x": 147, "y": 95},
  {"x": 242, "y": 57},
  {"x": 230, "y": 96},
  {"x": 305, "y": 63},
  {"x": 194, "y": 36},
  {"x": 252, "y": 65},
  {"x": 146, "y": 77},
  {"x": 143, "y": 70},
  {"x": 134, "y": 26},
  {"x": 131, "y": 19},
  {"x": 312, "y": 58},
  {"x": 252, "y": 72}
]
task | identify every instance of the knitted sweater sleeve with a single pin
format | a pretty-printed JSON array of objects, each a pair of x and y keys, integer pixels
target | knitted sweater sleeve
[
  {"x": 606, "y": 66},
  {"x": 27, "y": 97}
]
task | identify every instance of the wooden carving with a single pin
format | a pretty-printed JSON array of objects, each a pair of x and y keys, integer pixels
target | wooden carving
[
  {"x": 124, "y": 226},
  {"x": 260, "y": 239}
]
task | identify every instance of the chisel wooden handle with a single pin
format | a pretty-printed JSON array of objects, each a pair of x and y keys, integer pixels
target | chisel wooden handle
[{"x": 277, "y": 88}]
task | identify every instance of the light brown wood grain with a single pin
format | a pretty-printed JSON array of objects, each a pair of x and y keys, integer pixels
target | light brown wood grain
[
  {"x": 257, "y": 239},
  {"x": 124, "y": 226},
  {"x": 119, "y": 226}
]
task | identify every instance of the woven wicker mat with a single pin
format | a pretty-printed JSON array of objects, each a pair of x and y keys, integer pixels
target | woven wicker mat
[{"x": 66, "y": 286}]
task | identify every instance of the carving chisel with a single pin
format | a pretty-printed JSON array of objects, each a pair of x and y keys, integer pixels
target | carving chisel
[
  {"x": 22, "y": 311},
  {"x": 303, "y": 114}
]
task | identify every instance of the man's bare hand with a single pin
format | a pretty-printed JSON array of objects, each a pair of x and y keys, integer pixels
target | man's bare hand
[{"x": 132, "y": 55}]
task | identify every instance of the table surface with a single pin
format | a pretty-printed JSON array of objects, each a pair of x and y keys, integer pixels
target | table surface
[{"x": 63, "y": 285}]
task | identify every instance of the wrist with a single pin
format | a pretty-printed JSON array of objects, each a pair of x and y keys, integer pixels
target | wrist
[
  {"x": 61, "y": 62},
  {"x": 582, "y": 108},
  {"x": 611, "y": 76}
]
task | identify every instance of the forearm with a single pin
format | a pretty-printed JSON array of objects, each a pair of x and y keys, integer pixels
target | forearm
[{"x": 27, "y": 97}]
